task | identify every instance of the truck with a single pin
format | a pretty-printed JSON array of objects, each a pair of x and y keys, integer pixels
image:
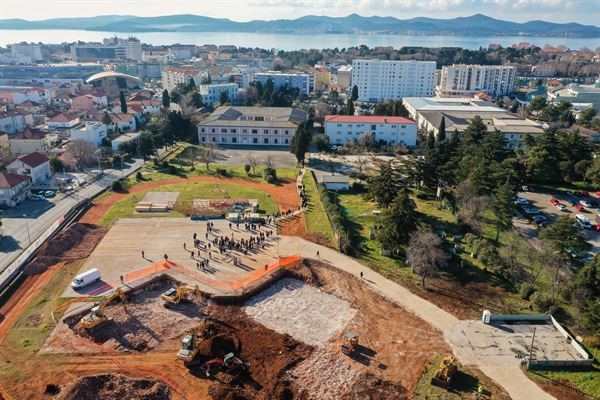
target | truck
[{"x": 86, "y": 278}]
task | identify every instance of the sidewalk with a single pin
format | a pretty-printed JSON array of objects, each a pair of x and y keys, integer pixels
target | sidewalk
[{"x": 507, "y": 375}]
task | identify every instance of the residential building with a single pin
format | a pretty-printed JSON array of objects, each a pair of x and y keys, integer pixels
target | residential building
[
  {"x": 344, "y": 76},
  {"x": 182, "y": 51},
  {"x": 574, "y": 93},
  {"x": 393, "y": 130},
  {"x": 119, "y": 122},
  {"x": 124, "y": 138},
  {"x": 15, "y": 121},
  {"x": 4, "y": 142},
  {"x": 63, "y": 121},
  {"x": 31, "y": 107},
  {"x": 13, "y": 189},
  {"x": 31, "y": 50},
  {"x": 149, "y": 70},
  {"x": 30, "y": 140},
  {"x": 334, "y": 181},
  {"x": 89, "y": 131},
  {"x": 45, "y": 74},
  {"x": 34, "y": 165},
  {"x": 109, "y": 49},
  {"x": 212, "y": 93},
  {"x": 589, "y": 134},
  {"x": 379, "y": 80},
  {"x": 172, "y": 76},
  {"x": 89, "y": 102},
  {"x": 461, "y": 80},
  {"x": 281, "y": 79},
  {"x": 321, "y": 77},
  {"x": 251, "y": 125}
]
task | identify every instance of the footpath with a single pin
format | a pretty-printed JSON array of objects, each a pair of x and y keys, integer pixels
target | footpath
[{"x": 507, "y": 374}]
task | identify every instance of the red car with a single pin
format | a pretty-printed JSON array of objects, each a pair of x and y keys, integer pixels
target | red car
[
  {"x": 554, "y": 202},
  {"x": 579, "y": 207},
  {"x": 597, "y": 227},
  {"x": 598, "y": 194}
]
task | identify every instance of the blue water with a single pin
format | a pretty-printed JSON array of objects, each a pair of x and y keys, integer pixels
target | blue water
[{"x": 290, "y": 41}]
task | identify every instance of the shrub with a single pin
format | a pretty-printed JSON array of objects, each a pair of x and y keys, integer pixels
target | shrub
[
  {"x": 165, "y": 164},
  {"x": 470, "y": 239},
  {"x": 156, "y": 161},
  {"x": 526, "y": 290},
  {"x": 117, "y": 186},
  {"x": 488, "y": 255},
  {"x": 541, "y": 302},
  {"x": 247, "y": 168},
  {"x": 173, "y": 170},
  {"x": 269, "y": 171},
  {"x": 139, "y": 176},
  {"x": 222, "y": 171},
  {"x": 270, "y": 179}
]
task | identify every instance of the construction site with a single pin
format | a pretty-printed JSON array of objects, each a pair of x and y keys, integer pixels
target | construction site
[{"x": 251, "y": 316}]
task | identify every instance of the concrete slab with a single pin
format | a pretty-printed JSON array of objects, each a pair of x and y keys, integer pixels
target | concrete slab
[{"x": 160, "y": 197}]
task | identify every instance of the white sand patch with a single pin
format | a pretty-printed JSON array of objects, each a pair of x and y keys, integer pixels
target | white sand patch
[{"x": 300, "y": 310}]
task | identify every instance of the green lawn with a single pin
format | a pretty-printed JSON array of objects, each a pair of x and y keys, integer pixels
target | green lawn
[
  {"x": 586, "y": 381},
  {"x": 189, "y": 191},
  {"x": 316, "y": 218}
]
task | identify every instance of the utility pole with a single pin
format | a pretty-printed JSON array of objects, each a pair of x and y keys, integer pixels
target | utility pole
[
  {"x": 27, "y": 225},
  {"x": 531, "y": 348}
]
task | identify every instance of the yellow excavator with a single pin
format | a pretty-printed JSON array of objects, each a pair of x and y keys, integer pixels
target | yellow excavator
[
  {"x": 96, "y": 315},
  {"x": 443, "y": 375},
  {"x": 174, "y": 297},
  {"x": 189, "y": 344},
  {"x": 350, "y": 343},
  {"x": 230, "y": 364}
]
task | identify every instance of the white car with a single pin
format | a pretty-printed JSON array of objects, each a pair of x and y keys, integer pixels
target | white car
[
  {"x": 585, "y": 203},
  {"x": 561, "y": 207}
]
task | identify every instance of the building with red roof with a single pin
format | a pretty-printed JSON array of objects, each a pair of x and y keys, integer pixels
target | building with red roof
[
  {"x": 34, "y": 165},
  {"x": 15, "y": 188},
  {"x": 341, "y": 129}
]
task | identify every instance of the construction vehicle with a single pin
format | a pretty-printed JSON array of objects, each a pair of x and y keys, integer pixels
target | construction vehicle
[
  {"x": 443, "y": 375},
  {"x": 190, "y": 343},
  {"x": 350, "y": 343},
  {"x": 96, "y": 315},
  {"x": 174, "y": 297},
  {"x": 231, "y": 364}
]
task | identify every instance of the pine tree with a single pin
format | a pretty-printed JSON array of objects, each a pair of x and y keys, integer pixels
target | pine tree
[
  {"x": 166, "y": 99},
  {"x": 442, "y": 130},
  {"x": 354, "y": 96},
  {"x": 123, "y": 103},
  {"x": 399, "y": 220},
  {"x": 349, "y": 107}
]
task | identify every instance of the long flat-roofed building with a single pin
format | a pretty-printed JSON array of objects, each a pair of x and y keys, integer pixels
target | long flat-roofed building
[
  {"x": 264, "y": 126},
  {"x": 393, "y": 130},
  {"x": 465, "y": 80}
]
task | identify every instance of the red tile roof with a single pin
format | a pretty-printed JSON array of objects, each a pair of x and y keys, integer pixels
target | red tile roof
[
  {"x": 34, "y": 159},
  {"x": 368, "y": 119},
  {"x": 62, "y": 117},
  {"x": 8, "y": 181}
]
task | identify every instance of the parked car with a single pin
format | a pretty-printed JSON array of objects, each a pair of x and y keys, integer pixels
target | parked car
[
  {"x": 37, "y": 197},
  {"x": 525, "y": 188},
  {"x": 522, "y": 201},
  {"x": 583, "y": 221},
  {"x": 554, "y": 201},
  {"x": 585, "y": 203},
  {"x": 573, "y": 202},
  {"x": 86, "y": 278},
  {"x": 576, "y": 254},
  {"x": 579, "y": 207},
  {"x": 49, "y": 193},
  {"x": 597, "y": 227},
  {"x": 531, "y": 210},
  {"x": 598, "y": 194},
  {"x": 561, "y": 207}
]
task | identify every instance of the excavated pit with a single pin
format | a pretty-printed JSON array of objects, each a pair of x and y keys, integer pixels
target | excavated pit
[{"x": 115, "y": 387}]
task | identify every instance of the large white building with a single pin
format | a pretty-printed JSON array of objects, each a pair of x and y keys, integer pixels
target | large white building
[
  {"x": 393, "y": 130},
  {"x": 464, "y": 80},
  {"x": 33, "y": 51},
  {"x": 89, "y": 131},
  {"x": 172, "y": 76},
  {"x": 112, "y": 48},
  {"x": 281, "y": 79},
  {"x": 212, "y": 93},
  {"x": 259, "y": 126},
  {"x": 344, "y": 76},
  {"x": 379, "y": 80}
]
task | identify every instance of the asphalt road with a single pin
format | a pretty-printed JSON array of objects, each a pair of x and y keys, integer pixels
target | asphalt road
[{"x": 24, "y": 223}]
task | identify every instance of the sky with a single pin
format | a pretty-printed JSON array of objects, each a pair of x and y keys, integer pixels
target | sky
[{"x": 582, "y": 11}]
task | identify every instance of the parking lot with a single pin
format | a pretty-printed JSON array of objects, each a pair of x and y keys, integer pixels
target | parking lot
[
  {"x": 237, "y": 156},
  {"x": 551, "y": 212}
]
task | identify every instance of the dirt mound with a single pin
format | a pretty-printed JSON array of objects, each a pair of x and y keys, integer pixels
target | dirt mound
[
  {"x": 77, "y": 241},
  {"x": 218, "y": 346},
  {"x": 119, "y": 387},
  {"x": 370, "y": 387}
]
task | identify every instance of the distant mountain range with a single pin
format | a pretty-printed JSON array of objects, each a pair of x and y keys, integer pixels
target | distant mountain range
[{"x": 475, "y": 25}]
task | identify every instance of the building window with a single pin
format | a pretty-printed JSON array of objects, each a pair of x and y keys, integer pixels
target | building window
[
  {"x": 255, "y": 140},
  {"x": 403, "y": 126},
  {"x": 223, "y": 140},
  {"x": 373, "y": 127},
  {"x": 266, "y": 131},
  {"x": 244, "y": 130},
  {"x": 203, "y": 139},
  {"x": 275, "y": 141},
  {"x": 287, "y": 132},
  {"x": 275, "y": 132},
  {"x": 233, "y": 130},
  {"x": 223, "y": 130},
  {"x": 266, "y": 140},
  {"x": 213, "y": 130},
  {"x": 339, "y": 125},
  {"x": 202, "y": 130},
  {"x": 255, "y": 131},
  {"x": 214, "y": 139},
  {"x": 233, "y": 140},
  {"x": 287, "y": 141}
]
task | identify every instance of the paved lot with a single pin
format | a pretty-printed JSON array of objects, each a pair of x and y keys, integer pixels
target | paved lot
[
  {"x": 237, "y": 156},
  {"x": 160, "y": 197},
  {"x": 542, "y": 201},
  {"x": 120, "y": 252}
]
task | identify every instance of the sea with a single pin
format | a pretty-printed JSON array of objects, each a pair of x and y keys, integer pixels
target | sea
[{"x": 281, "y": 41}]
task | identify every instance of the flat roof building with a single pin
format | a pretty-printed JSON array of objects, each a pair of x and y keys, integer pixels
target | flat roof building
[{"x": 342, "y": 129}]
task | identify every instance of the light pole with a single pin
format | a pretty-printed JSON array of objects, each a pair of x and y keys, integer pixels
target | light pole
[{"x": 27, "y": 226}]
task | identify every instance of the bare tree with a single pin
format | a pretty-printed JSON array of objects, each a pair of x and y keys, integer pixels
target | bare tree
[
  {"x": 362, "y": 162},
  {"x": 82, "y": 151},
  {"x": 208, "y": 154},
  {"x": 252, "y": 161},
  {"x": 471, "y": 212},
  {"x": 6, "y": 156},
  {"x": 268, "y": 161},
  {"x": 192, "y": 152},
  {"x": 425, "y": 253}
]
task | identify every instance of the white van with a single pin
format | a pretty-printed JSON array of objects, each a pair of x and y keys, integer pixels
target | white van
[
  {"x": 583, "y": 221},
  {"x": 86, "y": 278}
]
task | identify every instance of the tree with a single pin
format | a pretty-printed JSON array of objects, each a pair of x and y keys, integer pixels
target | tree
[
  {"x": 502, "y": 206},
  {"x": 190, "y": 86},
  {"x": 247, "y": 168},
  {"x": 123, "y": 103},
  {"x": 166, "y": 99},
  {"x": 349, "y": 107},
  {"x": 197, "y": 100},
  {"x": 82, "y": 151},
  {"x": 6, "y": 156},
  {"x": 586, "y": 116},
  {"x": 208, "y": 154},
  {"x": 354, "y": 95},
  {"x": 537, "y": 103},
  {"x": 384, "y": 187},
  {"x": 321, "y": 141},
  {"x": 175, "y": 96},
  {"x": 224, "y": 97},
  {"x": 301, "y": 141},
  {"x": 252, "y": 161},
  {"x": 442, "y": 130},
  {"x": 593, "y": 172},
  {"x": 425, "y": 253},
  {"x": 206, "y": 79},
  {"x": 56, "y": 164},
  {"x": 269, "y": 162},
  {"x": 106, "y": 119},
  {"x": 399, "y": 220}
]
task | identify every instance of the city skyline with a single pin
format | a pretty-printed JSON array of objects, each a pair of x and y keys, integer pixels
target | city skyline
[{"x": 582, "y": 11}]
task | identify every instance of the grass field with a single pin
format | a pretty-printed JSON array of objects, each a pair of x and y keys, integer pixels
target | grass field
[
  {"x": 586, "y": 380},
  {"x": 316, "y": 216},
  {"x": 188, "y": 191}
]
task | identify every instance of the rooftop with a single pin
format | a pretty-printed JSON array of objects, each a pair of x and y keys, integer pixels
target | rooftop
[
  {"x": 450, "y": 104},
  {"x": 368, "y": 119},
  {"x": 271, "y": 114},
  {"x": 63, "y": 117},
  {"x": 8, "y": 181},
  {"x": 34, "y": 159},
  {"x": 29, "y": 134}
]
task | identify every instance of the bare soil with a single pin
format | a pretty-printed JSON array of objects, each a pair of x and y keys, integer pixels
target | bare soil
[
  {"x": 117, "y": 387},
  {"x": 561, "y": 390}
]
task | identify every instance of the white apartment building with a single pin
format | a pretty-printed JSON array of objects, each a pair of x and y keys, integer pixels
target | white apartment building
[
  {"x": 89, "y": 131},
  {"x": 344, "y": 76},
  {"x": 259, "y": 126},
  {"x": 281, "y": 79},
  {"x": 171, "y": 77},
  {"x": 34, "y": 165},
  {"x": 379, "y": 80},
  {"x": 212, "y": 93},
  {"x": 393, "y": 130},
  {"x": 33, "y": 51},
  {"x": 465, "y": 80}
]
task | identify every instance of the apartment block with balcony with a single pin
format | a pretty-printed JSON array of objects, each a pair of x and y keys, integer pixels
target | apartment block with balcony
[
  {"x": 461, "y": 80},
  {"x": 280, "y": 79}
]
